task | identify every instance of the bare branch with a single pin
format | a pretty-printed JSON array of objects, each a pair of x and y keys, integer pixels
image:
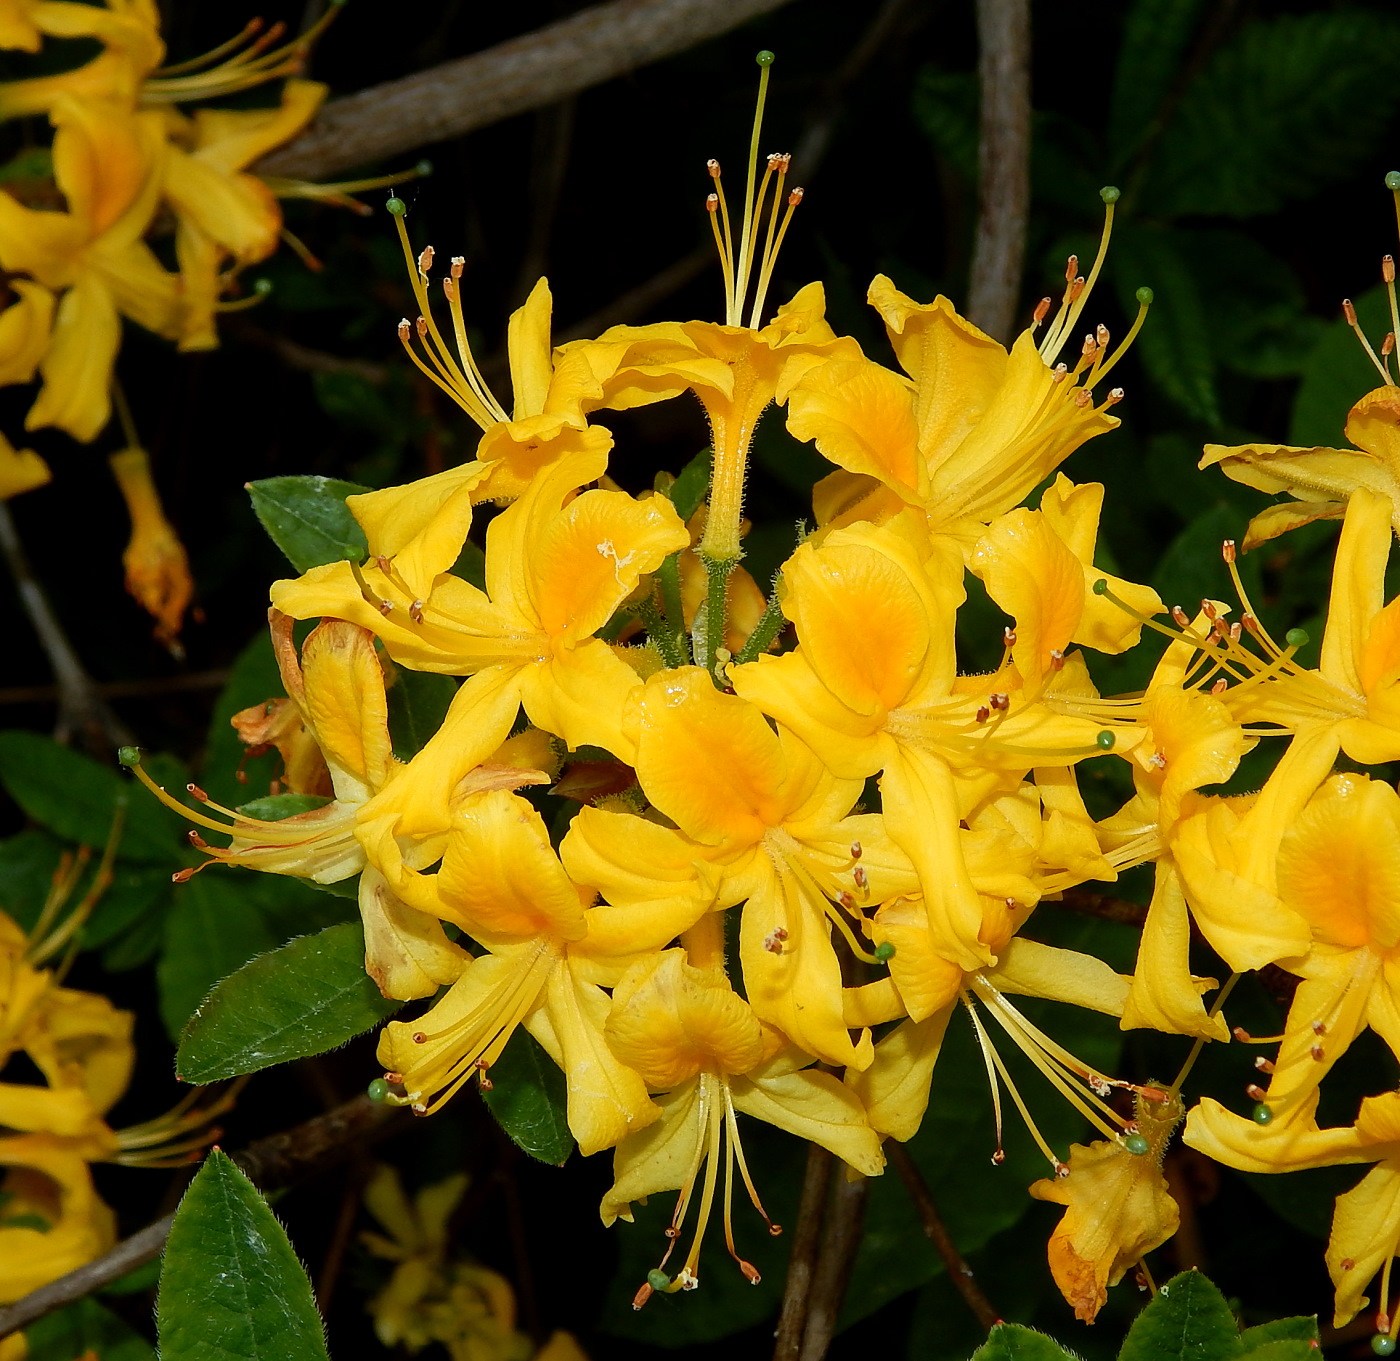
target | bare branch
[
  {"x": 937, "y": 1233},
  {"x": 1004, "y": 172},
  {"x": 277, "y": 1161},
  {"x": 841, "y": 1234},
  {"x": 802, "y": 1262},
  {"x": 525, "y": 73}
]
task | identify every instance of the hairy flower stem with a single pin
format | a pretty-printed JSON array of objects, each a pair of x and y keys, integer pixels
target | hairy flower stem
[
  {"x": 769, "y": 626},
  {"x": 717, "y": 572}
]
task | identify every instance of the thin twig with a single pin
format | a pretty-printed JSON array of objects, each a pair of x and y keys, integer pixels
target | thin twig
[
  {"x": 806, "y": 1241},
  {"x": 525, "y": 73},
  {"x": 271, "y": 1163},
  {"x": 126, "y": 689},
  {"x": 845, "y": 1218},
  {"x": 1089, "y": 904},
  {"x": 1004, "y": 169},
  {"x": 937, "y": 1233},
  {"x": 80, "y": 708}
]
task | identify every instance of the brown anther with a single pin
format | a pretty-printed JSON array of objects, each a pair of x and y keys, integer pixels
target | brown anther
[
  {"x": 383, "y": 562},
  {"x": 1227, "y": 550},
  {"x": 1153, "y": 1094},
  {"x": 1234, "y": 633},
  {"x": 197, "y": 840},
  {"x": 195, "y": 792},
  {"x": 1348, "y": 1264},
  {"x": 1209, "y": 610},
  {"x": 386, "y": 607},
  {"x": 394, "y": 1079},
  {"x": 420, "y": 325},
  {"x": 1250, "y": 622},
  {"x": 450, "y": 289},
  {"x": 862, "y": 879},
  {"x": 1061, "y": 1171},
  {"x": 1179, "y": 617},
  {"x": 1042, "y": 310},
  {"x": 775, "y": 1230},
  {"x": 485, "y": 1083},
  {"x": 1008, "y": 637},
  {"x": 1158, "y": 759},
  {"x": 750, "y": 1272},
  {"x": 672, "y": 1231},
  {"x": 404, "y": 329},
  {"x": 1264, "y": 1065},
  {"x": 459, "y": 263},
  {"x": 1241, "y": 1034},
  {"x": 425, "y": 260},
  {"x": 1387, "y": 269},
  {"x": 857, "y": 850},
  {"x": 782, "y": 161},
  {"x": 780, "y": 933},
  {"x": 419, "y": 1037},
  {"x": 1349, "y": 312},
  {"x": 1057, "y": 659},
  {"x": 418, "y": 1108},
  {"x": 847, "y": 900},
  {"x": 772, "y": 944},
  {"x": 1101, "y": 335},
  {"x": 998, "y": 1157},
  {"x": 1076, "y": 288},
  {"x": 182, "y": 876},
  {"x": 1057, "y": 373},
  {"x": 644, "y": 1293},
  {"x": 1115, "y": 395},
  {"x": 1318, "y": 1053},
  {"x": 415, "y": 611},
  {"x": 1082, "y": 397},
  {"x": 1319, "y": 1028},
  {"x": 999, "y": 702},
  {"x": 712, "y": 166},
  {"x": 1089, "y": 346},
  {"x": 1071, "y": 269},
  {"x": 1382, "y": 1321},
  {"x": 711, "y": 206},
  {"x": 1220, "y": 686},
  {"x": 983, "y": 714},
  {"x": 795, "y": 198},
  {"x": 1388, "y": 345},
  {"x": 1254, "y": 1092}
]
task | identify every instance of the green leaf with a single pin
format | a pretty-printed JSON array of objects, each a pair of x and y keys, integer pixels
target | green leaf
[
  {"x": 83, "y": 1327},
  {"x": 1286, "y": 106},
  {"x": 1192, "y": 570},
  {"x": 253, "y": 680},
  {"x": 1011, "y": 1342},
  {"x": 527, "y": 1095},
  {"x": 231, "y": 1288},
  {"x": 309, "y": 996},
  {"x": 27, "y": 864},
  {"x": 214, "y": 928},
  {"x": 136, "y": 895},
  {"x": 1176, "y": 343},
  {"x": 77, "y": 798},
  {"x": 307, "y": 518},
  {"x": 471, "y": 565},
  {"x": 1336, "y": 374},
  {"x": 275, "y": 807},
  {"x": 1188, "y": 1320},
  {"x": 945, "y": 108},
  {"x": 692, "y": 482},
  {"x": 1286, "y": 1348},
  {"x": 1298, "y": 1329},
  {"x": 418, "y": 702},
  {"x": 1156, "y": 34}
]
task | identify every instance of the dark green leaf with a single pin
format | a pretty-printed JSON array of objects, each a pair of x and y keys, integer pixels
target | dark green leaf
[
  {"x": 305, "y": 998},
  {"x": 418, "y": 702},
  {"x": 1175, "y": 345},
  {"x": 945, "y": 108},
  {"x": 1296, "y": 1329},
  {"x": 356, "y": 402},
  {"x": 136, "y": 894},
  {"x": 297, "y": 907},
  {"x": 692, "y": 482},
  {"x": 307, "y": 518},
  {"x": 77, "y": 798},
  {"x": 1285, "y": 106},
  {"x": 528, "y": 1096},
  {"x": 1286, "y": 1348},
  {"x": 27, "y": 864},
  {"x": 471, "y": 565},
  {"x": 1188, "y": 1320},
  {"x": 1336, "y": 374},
  {"x": 1155, "y": 38},
  {"x": 214, "y": 928},
  {"x": 1192, "y": 570},
  {"x": 85, "y": 1327},
  {"x": 275, "y": 807},
  {"x": 1011, "y": 1342},
  {"x": 231, "y": 1288}
]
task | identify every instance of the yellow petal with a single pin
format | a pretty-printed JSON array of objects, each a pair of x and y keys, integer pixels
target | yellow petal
[
  {"x": 894, "y": 1089},
  {"x": 816, "y": 1107},
  {"x": 527, "y": 343}
]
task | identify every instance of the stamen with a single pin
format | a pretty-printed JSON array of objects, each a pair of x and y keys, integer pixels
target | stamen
[{"x": 1349, "y": 312}]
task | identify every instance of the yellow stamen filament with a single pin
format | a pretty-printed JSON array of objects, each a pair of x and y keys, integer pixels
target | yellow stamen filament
[
  {"x": 1079, "y": 296},
  {"x": 1226, "y": 988},
  {"x": 1349, "y": 312},
  {"x": 994, "y": 1059}
]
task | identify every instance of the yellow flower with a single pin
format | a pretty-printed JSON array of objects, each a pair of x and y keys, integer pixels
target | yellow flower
[
  {"x": 1365, "y": 1234},
  {"x": 1118, "y": 1207},
  {"x": 1322, "y": 481},
  {"x": 107, "y": 165},
  {"x": 692, "y": 1039},
  {"x": 157, "y": 568}
]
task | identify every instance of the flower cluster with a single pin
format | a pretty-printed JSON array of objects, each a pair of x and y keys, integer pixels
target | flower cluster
[
  {"x": 75, "y": 219},
  {"x": 805, "y": 838}
]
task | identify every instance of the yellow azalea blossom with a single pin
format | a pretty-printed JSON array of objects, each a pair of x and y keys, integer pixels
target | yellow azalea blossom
[
  {"x": 559, "y": 564},
  {"x": 157, "y": 567},
  {"x": 468, "y": 1308},
  {"x": 964, "y": 438},
  {"x": 21, "y": 470},
  {"x": 550, "y": 956},
  {"x": 1118, "y": 1207},
  {"x": 1322, "y": 481},
  {"x": 699, "y": 1045},
  {"x": 220, "y": 210},
  {"x": 1339, "y": 871},
  {"x": 107, "y": 165},
  {"x": 760, "y": 821},
  {"x": 1365, "y": 1235},
  {"x": 873, "y": 687},
  {"x": 338, "y": 688},
  {"x": 737, "y": 372}
]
